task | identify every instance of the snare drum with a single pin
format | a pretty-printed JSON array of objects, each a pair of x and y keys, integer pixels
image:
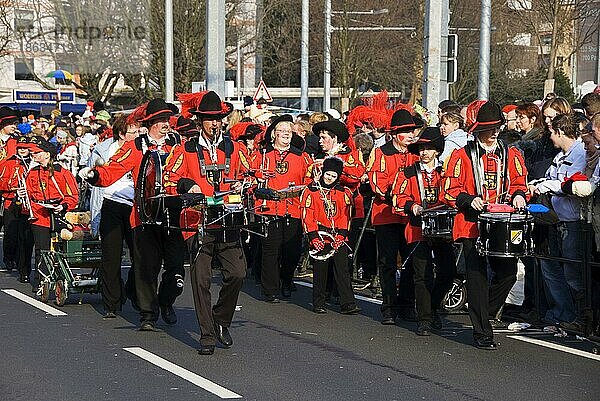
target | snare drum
[
  {"x": 505, "y": 235},
  {"x": 218, "y": 215},
  {"x": 437, "y": 224}
]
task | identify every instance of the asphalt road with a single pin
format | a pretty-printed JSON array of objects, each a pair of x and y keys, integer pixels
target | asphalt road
[{"x": 280, "y": 352}]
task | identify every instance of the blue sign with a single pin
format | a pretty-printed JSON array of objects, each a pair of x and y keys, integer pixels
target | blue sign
[{"x": 42, "y": 96}]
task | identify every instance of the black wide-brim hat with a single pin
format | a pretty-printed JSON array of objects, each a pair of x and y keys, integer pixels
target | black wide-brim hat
[
  {"x": 211, "y": 106},
  {"x": 431, "y": 136},
  {"x": 8, "y": 116},
  {"x": 333, "y": 163},
  {"x": 402, "y": 120},
  {"x": 158, "y": 108},
  {"x": 335, "y": 127},
  {"x": 489, "y": 117},
  {"x": 277, "y": 120},
  {"x": 40, "y": 144},
  {"x": 185, "y": 126}
]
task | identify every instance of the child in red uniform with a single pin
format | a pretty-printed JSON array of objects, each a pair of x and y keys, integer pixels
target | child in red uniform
[
  {"x": 326, "y": 206},
  {"x": 411, "y": 195}
]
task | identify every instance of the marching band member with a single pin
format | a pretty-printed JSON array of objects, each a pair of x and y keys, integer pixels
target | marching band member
[
  {"x": 245, "y": 134},
  {"x": 8, "y": 128},
  {"x": 52, "y": 191},
  {"x": 278, "y": 166},
  {"x": 416, "y": 189},
  {"x": 153, "y": 244},
  {"x": 326, "y": 206},
  {"x": 483, "y": 172},
  {"x": 17, "y": 231},
  {"x": 200, "y": 166},
  {"x": 384, "y": 163}
]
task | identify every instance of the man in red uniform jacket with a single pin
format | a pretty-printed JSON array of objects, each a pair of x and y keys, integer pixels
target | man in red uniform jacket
[
  {"x": 200, "y": 166},
  {"x": 483, "y": 172},
  {"x": 153, "y": 243},
  {"x": 417, "y": 188},
  {"x": 384, "y": 163}
]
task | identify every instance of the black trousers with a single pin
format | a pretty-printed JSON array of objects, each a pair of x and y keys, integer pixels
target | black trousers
[
  {"x": 41, "y": 239},
  {"x": 342, "y": 279},
  {"x": 25, "y": 245},
  {"x": 231, "y": 257},
  {"x": 486, "y": 298},
  {"x": 114, "y": 228},
  {"x": 10, "y": 245},
  {"x": 391, "y": 240},
  {"x": 153, "y": 245},
  {"x": 281, "y": 252},
  {"x": 430, "y": 289},
  {"x": 366, "y": 252}
]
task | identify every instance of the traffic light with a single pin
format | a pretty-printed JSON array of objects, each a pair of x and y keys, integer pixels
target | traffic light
[{"x": 452, "y": 54}]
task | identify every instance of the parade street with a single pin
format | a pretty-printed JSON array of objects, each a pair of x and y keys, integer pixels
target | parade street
[{"x": 280, "y": 352}]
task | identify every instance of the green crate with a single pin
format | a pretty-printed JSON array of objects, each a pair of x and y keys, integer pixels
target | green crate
[{"x": 81, "y": 253}]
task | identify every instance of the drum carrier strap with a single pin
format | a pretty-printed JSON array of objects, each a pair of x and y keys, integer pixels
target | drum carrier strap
[
  {"x": 216, "y": 168},
  {"x": 421, "y": 184},
  {"x": 474, "y": 153}
]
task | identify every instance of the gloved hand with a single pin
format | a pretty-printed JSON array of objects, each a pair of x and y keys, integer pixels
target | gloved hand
[
  {"x": 86, "y": 173},
  {"x": 317, "y": 244},
  {"x": 582, "y": 188},
  {"x": 338, "y": 241},
  {"x": 417, "y": 209}
]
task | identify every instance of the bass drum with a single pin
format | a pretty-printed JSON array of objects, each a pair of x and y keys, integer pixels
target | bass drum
[{"x": 148, "y": 186}]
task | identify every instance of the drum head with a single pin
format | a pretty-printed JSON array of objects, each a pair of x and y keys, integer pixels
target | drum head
[{"x": 149, "y": 185}]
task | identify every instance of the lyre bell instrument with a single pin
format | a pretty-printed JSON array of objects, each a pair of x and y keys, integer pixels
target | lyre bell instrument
[{"x": 328, "y": 251}]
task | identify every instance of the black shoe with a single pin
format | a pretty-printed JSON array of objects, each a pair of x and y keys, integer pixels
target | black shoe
[
  {"x": 575, "y": 325},
  {"x": 286, "y": 292},
  {"x": 424, "y": 329},
  {"x": 486, "y": 343},
  {"x": 168, "y": 314},
  {"x": 319, "y": 310},
  {"x": 206, "y": 349},
  {"x": 109, "y": 315},
  {"x": 147, "y": 326},
  {"x": 408, "y": 314},
  {"x": 272, "y": 299},
  {"x": 388, "y": 320},
  {"x": 222, "y": 334},
  {"x": 351, "y": 309},
  {"x": 438, "y": 322}
]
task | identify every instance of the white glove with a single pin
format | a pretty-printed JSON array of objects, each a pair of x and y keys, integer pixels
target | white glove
[
  {"x": 582, "y": 188},
  {"x": 86, "y": 173}
]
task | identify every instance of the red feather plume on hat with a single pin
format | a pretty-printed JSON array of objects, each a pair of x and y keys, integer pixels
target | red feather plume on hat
[
  {"x": 239, "y": 129},
  {"x": 137, "y": 114},
  {"x": 472, "y": 110},
  {"x": 190, "y": 101},
  {"x": 373, "y": 112}
]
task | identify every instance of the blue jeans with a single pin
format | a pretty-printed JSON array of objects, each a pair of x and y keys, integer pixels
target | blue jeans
[{"x": 564, "y": 280}]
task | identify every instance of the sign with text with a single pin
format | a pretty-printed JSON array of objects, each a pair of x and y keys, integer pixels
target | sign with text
[{"x": 20, "y": 96}]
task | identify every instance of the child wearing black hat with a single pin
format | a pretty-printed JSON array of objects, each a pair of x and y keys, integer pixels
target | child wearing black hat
[
  {"x": 416, "y": 189},
  {"x": 326, "y": 208}
]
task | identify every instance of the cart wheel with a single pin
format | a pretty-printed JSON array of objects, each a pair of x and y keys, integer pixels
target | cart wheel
[
  {"x": 456, "y": 297},
  {"x": 44, "y": 291},
  {"x": 60, "y": 291}
]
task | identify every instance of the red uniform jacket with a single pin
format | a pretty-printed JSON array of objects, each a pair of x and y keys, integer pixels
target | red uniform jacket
[
  {"x": 41, "y": 187},
  {"x": 459, "y": 187},
  {"x": 8, "y": 148},
  {"x": 10, "y": 171},
  {"x": 407, "y": 191},
  {"x": 128, "y": 159},
  {"x": 320, "y": 208},
  {"x": 183, "y": 171},
  {"x": 290, "y": 168},
  {"x": 384, "y": 163}
]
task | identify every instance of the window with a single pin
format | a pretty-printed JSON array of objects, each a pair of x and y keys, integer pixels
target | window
[
  {"x": 521, "y": 39},
  {"x": 519, "y": 5},
  {"x": 546, "y": 40},
  {"x": 23, "y": 21},
  {"x": 24, "y": 69}
]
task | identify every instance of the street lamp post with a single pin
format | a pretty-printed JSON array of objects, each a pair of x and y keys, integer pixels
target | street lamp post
[{"x": 304, "y": 57}]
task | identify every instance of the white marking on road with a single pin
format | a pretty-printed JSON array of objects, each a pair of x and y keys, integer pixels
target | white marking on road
[
  {"x": 557, "y": 347},
  {"x": 362, "y": 298},
  {"x": 34, "y": 302},
  {"x": 185, "y": 374}
]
